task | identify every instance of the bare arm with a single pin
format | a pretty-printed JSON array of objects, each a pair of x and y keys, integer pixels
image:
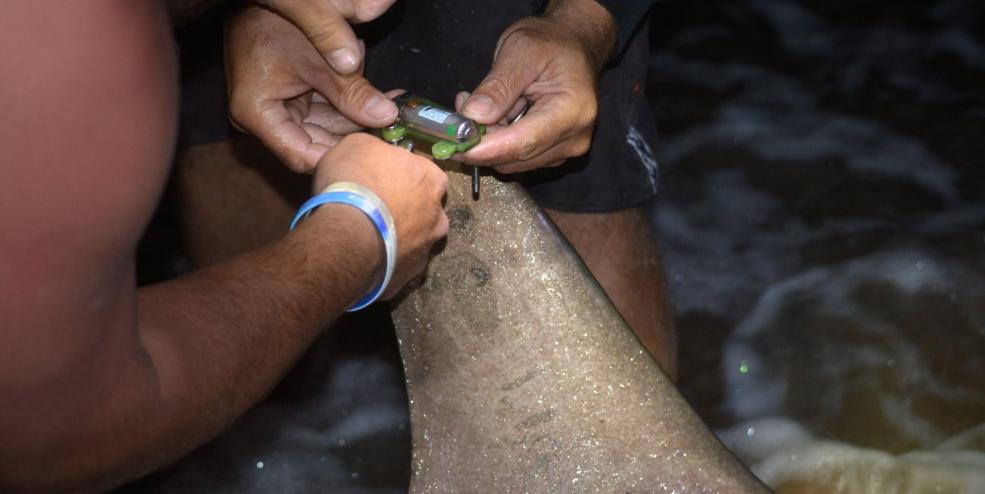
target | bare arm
[
  {"x": 591, "y": 23},
  {"x": 100, "y": 382}
]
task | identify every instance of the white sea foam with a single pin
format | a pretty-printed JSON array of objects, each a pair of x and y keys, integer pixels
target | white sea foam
[
  {"x": 782, "y": 453},
  {"x": 775, "y": 117},
  {"x": 866, "y": 352}
]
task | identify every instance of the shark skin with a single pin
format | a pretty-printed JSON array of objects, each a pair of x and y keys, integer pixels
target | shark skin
[{"x": 522, "y": 377}]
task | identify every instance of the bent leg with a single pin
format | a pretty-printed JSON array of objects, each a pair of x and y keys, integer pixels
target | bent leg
[
  {"x": 234, "y": 196},
  {"x": 620, "y": 250}
]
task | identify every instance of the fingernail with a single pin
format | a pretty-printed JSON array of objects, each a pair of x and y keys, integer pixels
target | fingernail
[
  {"x": 381, "y": 108},
  {"x": 478, "y": 106},
  {"x": 343, "y": 60}
]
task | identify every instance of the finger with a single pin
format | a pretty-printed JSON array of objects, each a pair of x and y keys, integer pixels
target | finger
[
  {"x": 298, "y": 107},
  {"x": 442, "y": 179},
  {"x": 357, "y": 11},
  {"x": 441, "y": 228},
  {"x": 551, "y": 158},
  {"x": 286, "y": 138},
  {"x": 326, "y": 28},
  {"x": 321, "y": 137},
  {"x": 516, "y": 111},
  {"x": 529, "y": 137},
  {"x": 460, "y": 99},
  {"x": 352, "y": 94},
  {"x": 328, "y": 117},
  {"x": 354, "y": 97},
  {"x": 512, "y": 73},
  {"x": 511, "y": 115},
  {"x": 367, "y": 10},
  {"x": 311, "y": 109}
]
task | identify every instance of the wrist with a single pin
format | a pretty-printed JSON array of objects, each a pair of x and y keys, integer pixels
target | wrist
[
  {"x": 366, "y": 201},
  {"x": 341, "y": 237},
  {"x": 590, "y": 23}
]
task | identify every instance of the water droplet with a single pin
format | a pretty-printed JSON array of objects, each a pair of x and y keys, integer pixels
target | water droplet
[
  {"x": 751, "y": 431},
  {"x": 259, "y": 465},
  {"x": 341, "y": 442},
  {"x": 355, "y": 475}
]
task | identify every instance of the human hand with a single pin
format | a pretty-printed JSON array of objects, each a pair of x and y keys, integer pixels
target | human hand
[
  {"x": 412, "y": 187},
  {"x": 553, "y": 63},
  {"x": 326, "y": 25},
  {"x": 282, "y": 90}
]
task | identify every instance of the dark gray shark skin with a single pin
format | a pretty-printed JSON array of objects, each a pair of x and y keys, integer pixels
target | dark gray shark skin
[{"x": 522, "y": 377}]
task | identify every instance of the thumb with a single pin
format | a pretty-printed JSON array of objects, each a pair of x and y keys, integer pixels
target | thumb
[
  {"x": 326, "y": 28},
  {"x": 511, "y": 74},
  {"x": 355, "y": 98}
]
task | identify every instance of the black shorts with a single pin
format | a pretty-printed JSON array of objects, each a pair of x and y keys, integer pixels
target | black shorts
[{"x": 437, "y": 49}]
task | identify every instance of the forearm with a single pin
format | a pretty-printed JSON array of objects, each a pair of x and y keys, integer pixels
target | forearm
[
  {"x": 221, "y": 339},
  {"x": 627, "y": 16},
  {"x": 590, "y": 23},
  {"x": 208, "y": 346}
]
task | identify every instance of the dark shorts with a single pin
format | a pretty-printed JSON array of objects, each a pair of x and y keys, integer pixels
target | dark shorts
[{"x": 437, "y": 49}]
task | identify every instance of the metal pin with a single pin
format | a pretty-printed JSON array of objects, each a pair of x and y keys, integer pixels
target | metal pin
[
  {"x": 475, "y": 183},
  {"x": 475, "y": 169}
]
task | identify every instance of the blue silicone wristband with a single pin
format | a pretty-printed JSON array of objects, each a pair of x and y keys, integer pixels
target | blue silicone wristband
[{"x": 374, "y": 214}]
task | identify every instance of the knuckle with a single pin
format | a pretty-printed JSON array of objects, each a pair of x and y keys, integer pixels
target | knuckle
[
  {"x": 237, "y": 121},
  {"x": 356, "y": 92},
  {"x": 586, "y": 123},
  {"x": 442, "y": 181},
  {"x": 293, "y": 161},
  {"x": 238, "y": 107},
  {"x": 590, "y": 113},
  {"x": 581, "y": 145},
  {"x": 350, "y": 143},
  {"x": 442, "y": 227},
  {"x": 360, "y": 138},
  {"x": 508, "y": 169},
  {"x": 368, "y": 10},
  {"x": 327, "y": 32},
  {"x": 496, "y": 87},
  {"x": 526, "y": 150},
  {"x": 347, "y": 141},
  {"x": 521, "y": 37}
]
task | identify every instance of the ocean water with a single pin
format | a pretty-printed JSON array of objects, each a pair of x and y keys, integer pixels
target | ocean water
[
  {"x": 822, "y": 216},
  {"x": 823, "y": 222}
]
